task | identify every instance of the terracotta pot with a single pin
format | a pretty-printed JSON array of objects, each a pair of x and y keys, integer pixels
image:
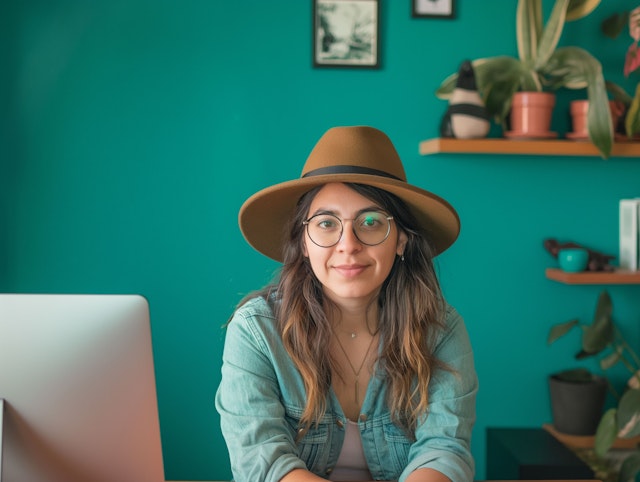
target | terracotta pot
[
  {"x": 531, "y": 113},
  {"x": 579, "y": 110}
]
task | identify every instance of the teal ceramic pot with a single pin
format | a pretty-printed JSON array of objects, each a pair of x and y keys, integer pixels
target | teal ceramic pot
[{"x": 573, "y": 260}]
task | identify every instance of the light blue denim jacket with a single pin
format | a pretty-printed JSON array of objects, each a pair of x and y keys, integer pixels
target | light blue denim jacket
[{"x": 261, "y": 399}]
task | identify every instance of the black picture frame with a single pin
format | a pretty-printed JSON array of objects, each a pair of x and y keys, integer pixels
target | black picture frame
[
  {"x": 346, "y": 33},
  {"x": 433, "y": 8}
]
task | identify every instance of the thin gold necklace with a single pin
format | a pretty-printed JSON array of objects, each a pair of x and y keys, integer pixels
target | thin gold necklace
[{"x": 353, "y": 369}]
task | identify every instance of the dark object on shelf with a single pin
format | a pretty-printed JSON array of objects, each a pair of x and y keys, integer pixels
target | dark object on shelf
[
  {"x": 577, "y": 403},
  {"x": 531, "y": 454},
  {"x": 466, "y": 116},
  {"x": 597, "y": 261}
]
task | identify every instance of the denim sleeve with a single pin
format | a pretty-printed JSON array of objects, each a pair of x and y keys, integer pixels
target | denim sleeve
[
  {"x": 260, "y": 442},
  {"x": 443, "y": 439}
]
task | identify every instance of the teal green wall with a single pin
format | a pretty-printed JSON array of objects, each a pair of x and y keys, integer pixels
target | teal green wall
[{"x": 132, "y": 130}]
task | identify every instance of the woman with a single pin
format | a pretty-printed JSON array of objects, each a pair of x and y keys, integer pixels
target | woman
[{"x": 352, "y": 366}]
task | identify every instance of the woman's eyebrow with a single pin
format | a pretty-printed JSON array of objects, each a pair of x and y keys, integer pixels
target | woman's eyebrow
[
  {"x": 371, "y": 208},
  {"x": 323, "y": 210}
]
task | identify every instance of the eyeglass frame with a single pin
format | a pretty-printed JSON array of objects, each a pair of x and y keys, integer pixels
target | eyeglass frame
[{"x": 386, "y": 236}]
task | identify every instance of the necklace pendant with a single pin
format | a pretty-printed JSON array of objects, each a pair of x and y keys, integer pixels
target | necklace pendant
[{"x": 353, "y": 334}]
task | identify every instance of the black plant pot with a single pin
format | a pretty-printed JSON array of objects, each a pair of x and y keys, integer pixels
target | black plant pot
[{"x": 577, "y": 406}]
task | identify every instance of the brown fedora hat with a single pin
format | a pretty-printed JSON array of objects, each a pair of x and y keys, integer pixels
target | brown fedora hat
[{"x": 356, "y": 154}]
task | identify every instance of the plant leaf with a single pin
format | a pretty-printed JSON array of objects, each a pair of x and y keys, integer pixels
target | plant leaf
[
  {"x": 445, "y": 89},
  {"x": 575, "y": 68},
  {"x": 497, "y": 79},
  {"x": 618, "y": 92},
  {"x": 611, "y": 359},
  {"x": 630, "y": 467},
  {"x": 528, "y": 28},
  {"x": 613, "y": 25},
  {"x": 498, "y": 98},
  {"x": 632, "y": 121},
  {"x": 560, "y": 330},
  {"x": 599, "y": 123},
  {"x": 488, "y": 71},
  {"x": 599, "y": 334},
  {"x": 551, "y": 33},
  {"x": 580, "y": 8},
  {"x": 606, "y": 433},
  {"x": 632, "y": 59},
  {"x": 604, "y": 308},
  {"x": 581, "y": 355},
  {"x": 628, "y": 415}
]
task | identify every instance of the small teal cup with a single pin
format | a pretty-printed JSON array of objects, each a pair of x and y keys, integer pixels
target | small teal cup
[{"x": 573, "y": 260}]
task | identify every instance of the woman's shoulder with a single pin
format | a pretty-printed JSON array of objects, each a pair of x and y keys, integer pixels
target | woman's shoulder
[
  {"x": 454, "y": 327},
  {"x": 254, "y": 321},
  {"x": 255, "y": 312},
  {"x": 451, "y": 314},
  {"x": 257, "y": 306}
]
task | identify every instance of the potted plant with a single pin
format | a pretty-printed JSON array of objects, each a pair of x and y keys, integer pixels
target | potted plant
[
  {"x": 577, "y": 401},
  {"x": 603, "y": 338},
  {"x": 542, "y": 66},
  {"x": 577, "y": 395},
  {"x": 611, "y": 27}
]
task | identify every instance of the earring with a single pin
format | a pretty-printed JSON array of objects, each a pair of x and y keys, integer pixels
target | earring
[{"x": 402, "y": 257}]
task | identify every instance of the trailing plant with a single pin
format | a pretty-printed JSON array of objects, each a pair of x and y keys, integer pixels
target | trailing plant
[
  {"x": 603, "y": 338},
  {"x": 542, "y": 65}
]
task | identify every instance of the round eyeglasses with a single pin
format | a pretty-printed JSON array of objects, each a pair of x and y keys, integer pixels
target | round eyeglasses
[{"x": 370, "y": 227}]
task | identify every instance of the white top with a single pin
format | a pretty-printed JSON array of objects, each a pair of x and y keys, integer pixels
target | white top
[{"x": 351, "y": 463}]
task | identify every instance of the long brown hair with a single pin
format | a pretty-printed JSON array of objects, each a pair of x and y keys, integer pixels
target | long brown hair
[{"x": 411, "y": 311}]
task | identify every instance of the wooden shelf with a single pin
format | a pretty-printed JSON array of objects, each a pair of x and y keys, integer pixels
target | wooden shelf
[
  {"x": 588, "y": 441},
  {"x": 618, "y": 277},
  {"x": 555, "y": 147}
]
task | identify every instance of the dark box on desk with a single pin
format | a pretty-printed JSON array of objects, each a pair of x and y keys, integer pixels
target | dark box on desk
[{"x": 531, "y": 454}]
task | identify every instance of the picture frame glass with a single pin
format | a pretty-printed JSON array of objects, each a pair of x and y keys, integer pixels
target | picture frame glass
[
  {"x": 433, "y": 8},
  {"x": 345, "y": 33}
]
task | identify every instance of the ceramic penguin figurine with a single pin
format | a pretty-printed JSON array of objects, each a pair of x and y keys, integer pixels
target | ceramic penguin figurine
[{"x": 466, "y": 116}]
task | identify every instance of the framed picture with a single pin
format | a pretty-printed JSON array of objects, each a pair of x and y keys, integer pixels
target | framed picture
[
  {"x": 346, "y": 33},
  {"x": 433, "y": 8}
]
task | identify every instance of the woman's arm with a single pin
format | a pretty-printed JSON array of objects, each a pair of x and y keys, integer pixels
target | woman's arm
[
  {"x": 260, "y": 442},
  {"x": 427, "y": 475},
  {"x": 443, "y": 440},
  {"x": 301, "y": 475}
]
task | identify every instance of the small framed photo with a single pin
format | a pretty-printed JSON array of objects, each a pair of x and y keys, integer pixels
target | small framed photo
[
  {"x": 433, "y": 8},
  {"x": 346, "y": 33}
]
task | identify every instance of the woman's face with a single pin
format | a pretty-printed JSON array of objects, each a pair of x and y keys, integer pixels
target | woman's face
[{"x": 350, "y": 271}]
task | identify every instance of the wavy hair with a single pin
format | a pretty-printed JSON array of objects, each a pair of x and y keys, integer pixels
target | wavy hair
[{"x": 411, "y": 311}]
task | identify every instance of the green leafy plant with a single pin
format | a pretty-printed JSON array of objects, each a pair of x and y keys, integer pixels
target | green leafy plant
[
  {"x": 603, "y": 338},
  {"x": 612, "y": 27},
  {"x": 543, "y": 66}
]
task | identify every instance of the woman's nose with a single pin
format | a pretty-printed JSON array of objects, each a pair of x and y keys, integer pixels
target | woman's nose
[{"x": 348, "y": 242}]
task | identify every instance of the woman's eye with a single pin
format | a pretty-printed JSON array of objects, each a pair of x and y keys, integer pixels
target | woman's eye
[
  {"x": 370, "y": 220},
  {"x": 326, "y": 223}
]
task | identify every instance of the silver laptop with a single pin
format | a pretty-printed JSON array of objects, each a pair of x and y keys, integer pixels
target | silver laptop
[{"x": 77, "y": 379}]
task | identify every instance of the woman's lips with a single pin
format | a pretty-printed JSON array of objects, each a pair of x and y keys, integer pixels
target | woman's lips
[{"x": 350, "y": 270}]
